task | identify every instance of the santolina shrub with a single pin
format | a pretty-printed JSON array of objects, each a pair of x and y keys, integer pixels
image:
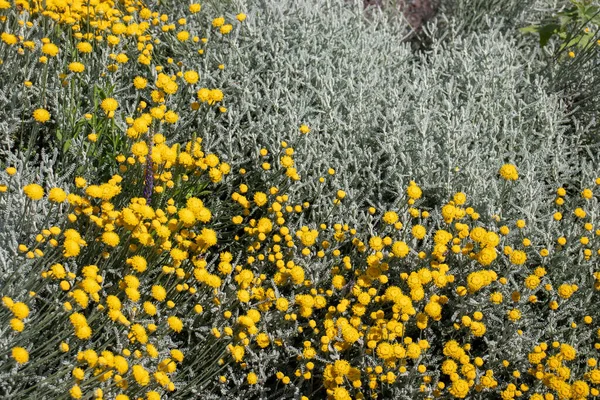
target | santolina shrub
[
  {"x": 165, "y": 270},
  {"x": 201, "y": 293}
]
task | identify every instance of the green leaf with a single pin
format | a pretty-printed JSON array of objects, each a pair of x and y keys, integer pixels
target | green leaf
[
  {"x": 529, "y": 29},
  {"x": 546, "y": 33},
  {"x": 573, "y": 41},
  {"x": 585, "y": 40}
]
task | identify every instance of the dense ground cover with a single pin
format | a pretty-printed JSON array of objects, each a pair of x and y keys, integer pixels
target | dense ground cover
[{"x": 288, "y": 199}]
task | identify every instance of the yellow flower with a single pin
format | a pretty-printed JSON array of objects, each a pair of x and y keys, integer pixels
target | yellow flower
[
  {"x": 215, "y": 96},
  {"x": 459, "y": 389},
  {"x": 376, "y": 243},
  {"x": 260, "y": 199},
  {"x": 565, "y": 290},
  {"x": 486, "y": 256},
  {"x": 340, "y": 393},
  {"x": 20, "y": 310},
  {"x": 71, "y": 248},
  {"x": 84, "y": 47},
  {"x": 390, "y": 217},
  {"x": 509, "y": 172},
  {"x": 110, "y": 239},
  {"x": 50, "y": 49},
  {"x": 171, "y": 117},
  {"x": 419, "y": 231},
  {"x": 252, "y": 378},
  {"x": 109, "y": 104},
  {"x": 341, "y": 367},
  {"x": 218, "y": 22},
  {"x": 20, "y": 355},
  {"x": 34, "y": 191},
  {"x": 75, "y": 392},
  {"x": 262, "y": 339},
  {"x": 400, "y": 249},
  {"x": 84, "y": 332},
  {"x": 141, "y": 376},
  {"x": 183, "y": 36},
  {"x": 568, "y": 352},
  {"x": 159, "y": 293},
  {"x": 195, "y": 8},
  {"x": 80, "y": 182},
  {"x": 138, "y": 263},
  {"x": 9, "y": 38},
  {"x": 175, "y": 324},
  {"x": 41, "y": 115},
  {"x": 385, "y": 351},
  {"x": 514, "y": 315},
  {"x": 237, "y": 352},
  {"x": 225, "y": 29},
  {"x": 518, "y": 257},
  {"x": 76, "y": 67},
  {"x": 191, "y": 77},
  {"x": 241, "y": 17},
  {"x": 177, "y": 355},
  {"x": 17, "y": 325},
  {"x": 57, "y": 195},
  {"x": 139, "y": 82},
  {"x": 532, "y": 282},
  {"x": 413, "y": 191}
]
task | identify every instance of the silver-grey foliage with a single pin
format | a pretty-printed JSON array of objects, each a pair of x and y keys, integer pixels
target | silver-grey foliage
[{"x": 447, "y": 117}]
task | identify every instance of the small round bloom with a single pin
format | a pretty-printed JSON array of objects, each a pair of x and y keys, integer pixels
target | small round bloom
[
  {"x": 252, "y": 378},
  {"x": 75, "y": 392},
  {"x": 139, "y": 82},
  {"x": 41, "y": 115},
  {"x": 17, "y": 325},
  {"x": 171, "y": 117},
  {"x": 20, "y": 310},
  {"x": 159, "y": 292},
  {"x": 57, "y": 195},
  {"x": 34, "y": 191},
  {"x": 413, "y": 191},
  {"x": 76, "y": 67},
  {"x": 175, "y": 323},
  {"x": 20, "y": 355},
  {"x": 138, "y": 263},
  {"x": 110, "y": 239},
  {"x": 509, "y": 172},
  {"x": 304, "y": 129},
  {"x": 109, "y": 104},
  {"x": 514, "y": 315},
  {"x": 390, "y": 217},
  {"x": 419, "y": 231},
  {"x": 191, "y": 77},
  {"x": 9, "y": 38},
  {"x": 84, "y": 47},
  {"x": 50, "y": 49},
  {"x": 218, "y": 22},
  {"x": 518, "y": 257},
  {"x": 183, "y": 36}
]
